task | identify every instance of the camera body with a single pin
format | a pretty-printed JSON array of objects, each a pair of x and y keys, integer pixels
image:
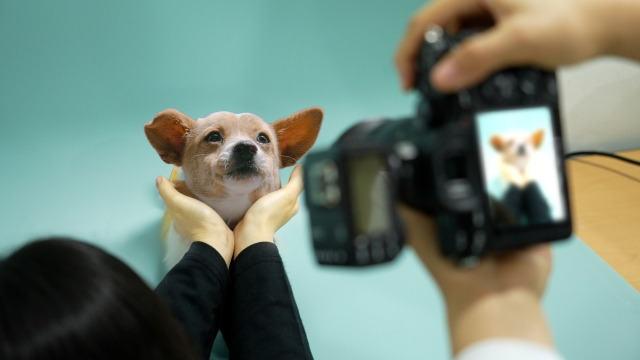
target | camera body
[{"x": 485, "y": 162}]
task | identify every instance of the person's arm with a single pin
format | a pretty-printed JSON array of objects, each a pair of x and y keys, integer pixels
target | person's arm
[
  {"x": 265, "y": 322},
  {"x": 497, "y": 299},
  {"x": 264, "y": 319},
  {"x": 196, "y": 288},
  {"x": 543, "y": 33}
]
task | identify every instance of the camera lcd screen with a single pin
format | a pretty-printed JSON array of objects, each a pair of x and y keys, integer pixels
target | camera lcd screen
[
  {"x": 520, "y": 165},
  {"x": 369, "y": 194}
]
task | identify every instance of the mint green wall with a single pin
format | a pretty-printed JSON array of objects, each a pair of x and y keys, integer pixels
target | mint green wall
[{"x": 78, "y": 79}]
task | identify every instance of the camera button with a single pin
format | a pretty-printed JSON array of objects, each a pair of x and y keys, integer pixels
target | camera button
[
  {"x": 391, "y": 241},
  {"x": 332, "y": 195},
  {"x": 502, "y": 86},
  {"x": 406, "y": 150},
  {"x": 392, "y": 250},
  {"x": 552, "y": 87},
  {"x": 489, "y": 90},
  {"x": 377, "y": 248},
  {"x": 457, "y": 189},
  {"x": 361, "y": 242},
  {"x": 318, "y": 233},
  {"x": 464, "y": 99},
  {"x": 377, "y": 254},
  {"x": 332, "y": 256},
  {"x": 461, "y": 240},
  {"x": 528, "y": 88},
  {"x": 479, "y": 241},
  {"x": 362, "y": 257},
  {"x": 329, "y": 171},
  {"x": 478, "y": 219},
  {"x": 507, "y": 84},
  {"x": 341, "y": 234},
  {"x": 433, "y": 34},
  {"x": 529, "y": 82}
]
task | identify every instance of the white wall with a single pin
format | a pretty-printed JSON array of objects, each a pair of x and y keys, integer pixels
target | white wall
[{"x": 600, "y": 102}]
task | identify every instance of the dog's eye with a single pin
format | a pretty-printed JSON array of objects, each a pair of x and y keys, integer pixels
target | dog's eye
[
  {"x": 214, "y": 136},
  {"x": 263, "y": 138}
]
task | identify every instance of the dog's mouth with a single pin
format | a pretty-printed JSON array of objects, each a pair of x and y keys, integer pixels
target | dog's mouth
[{"x": 243, "y": 170}]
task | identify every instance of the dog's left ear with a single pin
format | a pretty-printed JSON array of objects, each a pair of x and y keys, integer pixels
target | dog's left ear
[
  {"x": 537, "y": 137},
  {"x": 166, "y": 133},
  {"x": 497, "y": 143},
  {"x": 297, "y": 133}
]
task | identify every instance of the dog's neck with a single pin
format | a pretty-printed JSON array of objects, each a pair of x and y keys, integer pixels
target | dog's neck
[
  {"x": 521, "y": 165},
  {"x": 230, "y": 208},
  {"x": 518, "y": 163}
]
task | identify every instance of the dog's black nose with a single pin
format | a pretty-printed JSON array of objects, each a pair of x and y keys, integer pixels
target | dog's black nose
[
  {"x": 245, "y": 150},
  {"x": 522, "y": 150}
]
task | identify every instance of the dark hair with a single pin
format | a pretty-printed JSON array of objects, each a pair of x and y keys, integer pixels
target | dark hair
[{"x": 65, "y": 299}]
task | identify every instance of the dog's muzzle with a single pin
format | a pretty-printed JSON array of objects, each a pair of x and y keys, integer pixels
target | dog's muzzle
[{"x": 242, "y": 162}]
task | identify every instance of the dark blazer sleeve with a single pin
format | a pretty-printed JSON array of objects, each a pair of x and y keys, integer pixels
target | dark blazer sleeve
[
  {"x": 264, "y": 318},
  {"x": 195, "y": 289}
]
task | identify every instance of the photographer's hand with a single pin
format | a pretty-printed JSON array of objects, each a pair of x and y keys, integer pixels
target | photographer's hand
[
  {"x": 500, "y": 297},
  {"x": 196, "y": 221},
  {"x": 543, "y": 33},
  {"x": 269, "y": 214}
]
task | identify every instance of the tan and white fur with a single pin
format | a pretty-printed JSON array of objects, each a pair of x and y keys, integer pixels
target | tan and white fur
[
  {"x": 228, "y": 160},
  {"x": 517, "y": 151}
]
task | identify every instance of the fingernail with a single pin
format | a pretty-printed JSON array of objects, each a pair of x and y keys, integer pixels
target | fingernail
[
  {"x": 158, "y": 180},
  {"x": 446, "y": 75}
]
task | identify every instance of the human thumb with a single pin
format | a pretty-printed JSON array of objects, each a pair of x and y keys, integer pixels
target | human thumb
[{"x": 166, "y": 190}]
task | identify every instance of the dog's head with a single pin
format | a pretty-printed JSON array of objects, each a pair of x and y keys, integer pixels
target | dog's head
[
  {"x": 227, "y": 154},
  {"x": 517, "y": 148}
]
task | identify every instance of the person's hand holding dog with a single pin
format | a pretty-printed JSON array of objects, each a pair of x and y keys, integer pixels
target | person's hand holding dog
[
  {"x": 543, "y": 33},
  {"x": 269, "y": 214},
  {"x": 197, "y": 221}
]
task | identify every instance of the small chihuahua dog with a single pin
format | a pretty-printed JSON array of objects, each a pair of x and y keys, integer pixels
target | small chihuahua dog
[
  {"x": 228, "y": 160},
  {"x": 517, "y": 151},
  {"x": 523, "y": 200}
]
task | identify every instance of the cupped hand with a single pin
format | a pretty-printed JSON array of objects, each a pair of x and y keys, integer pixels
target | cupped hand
[
  {"x": 269, "y": 214},
  {"x": 195, "y": 220}
]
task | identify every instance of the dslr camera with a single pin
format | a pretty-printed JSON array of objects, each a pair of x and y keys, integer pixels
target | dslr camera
[{"x": 485, "y": 162}]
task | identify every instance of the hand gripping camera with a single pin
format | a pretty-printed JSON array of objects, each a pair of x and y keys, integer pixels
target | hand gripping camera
[{"x": 485, "y": 162}]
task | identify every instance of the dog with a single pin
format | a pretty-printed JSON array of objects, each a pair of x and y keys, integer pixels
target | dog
[
  {"x": 522, "y": 200},
  {"x": 517, "y": 152},
  {"x": 228, "y": 160}
]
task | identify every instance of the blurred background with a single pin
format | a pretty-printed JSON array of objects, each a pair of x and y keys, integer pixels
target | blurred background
[{"x": 79, "y": 79}]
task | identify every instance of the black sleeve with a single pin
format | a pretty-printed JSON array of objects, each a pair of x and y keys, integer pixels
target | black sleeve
[
  {"x": 195, "y": 290},
  {"x": 264, "y": 318}
]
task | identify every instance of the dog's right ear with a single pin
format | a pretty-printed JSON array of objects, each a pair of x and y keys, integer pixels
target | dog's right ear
[
  {"x": 537, "y": 138},
  {"x": 497, "y": 142},
  {"x": 297, "y": 133},
  {"x": 167, "y": 132}
]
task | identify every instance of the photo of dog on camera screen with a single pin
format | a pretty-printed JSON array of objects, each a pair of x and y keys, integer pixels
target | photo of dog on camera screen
[{"x": 520, "y": 166}]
